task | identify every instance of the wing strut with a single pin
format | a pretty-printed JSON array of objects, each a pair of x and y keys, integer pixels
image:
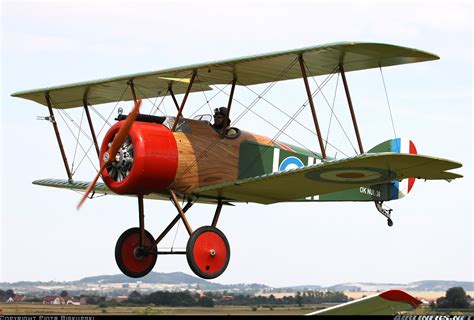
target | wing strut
[
  {"x": 349, "y": 102},
  {"x": 229, "y": 105},
  {"x": 170, "y": 89},
  {"x": 311, "y": 103},
  {"x": 89, "y": 120},
  {"x": 58, "y": 136},
  {"x": 180, "y": 111},
  {"x": 132, "y": 87}
]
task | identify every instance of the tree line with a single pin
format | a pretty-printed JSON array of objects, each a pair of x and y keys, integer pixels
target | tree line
[
  {"x": 455, "y": 298},
  {"x": 209, "y": 299},
  {"x": 7, "y": 294}
]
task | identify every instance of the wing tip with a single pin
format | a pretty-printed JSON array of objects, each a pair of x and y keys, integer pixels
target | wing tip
[{"x": 400, "y": 296}]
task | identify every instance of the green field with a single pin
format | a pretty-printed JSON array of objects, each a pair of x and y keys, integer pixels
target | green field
[{"x": 45, "y": 309}]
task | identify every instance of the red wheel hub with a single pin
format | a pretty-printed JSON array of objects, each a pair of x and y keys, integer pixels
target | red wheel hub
[
  {"x": 208, "y": 252},
  {"x": 133, "y": 260}
]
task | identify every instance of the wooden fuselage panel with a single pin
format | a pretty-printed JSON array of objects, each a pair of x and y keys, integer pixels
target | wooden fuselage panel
[{"x": 206, "y": 158}]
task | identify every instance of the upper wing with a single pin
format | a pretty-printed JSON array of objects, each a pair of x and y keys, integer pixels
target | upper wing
[
  {"x": 249, "y": 70},
  {"x": 331, "y": 176},
  {"x": 387, "y": 303}
]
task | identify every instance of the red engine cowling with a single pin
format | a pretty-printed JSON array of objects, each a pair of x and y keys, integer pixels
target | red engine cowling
[{"x": 145, "y": 163}]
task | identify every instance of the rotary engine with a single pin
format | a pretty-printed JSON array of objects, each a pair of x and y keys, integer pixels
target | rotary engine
[{"x": 146, "y": 162}]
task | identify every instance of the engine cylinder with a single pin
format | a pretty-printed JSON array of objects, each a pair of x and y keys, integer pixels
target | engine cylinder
[{"x": 146, "y": 162}]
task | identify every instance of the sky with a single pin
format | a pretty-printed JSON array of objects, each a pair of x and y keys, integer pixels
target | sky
[{"x": 44, "y": 237}]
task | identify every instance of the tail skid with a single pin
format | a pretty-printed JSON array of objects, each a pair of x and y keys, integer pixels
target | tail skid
[{"x": 385, "y": 212}]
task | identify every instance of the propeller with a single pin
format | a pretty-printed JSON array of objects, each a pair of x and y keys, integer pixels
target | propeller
[{"x": 109, "y": 155}]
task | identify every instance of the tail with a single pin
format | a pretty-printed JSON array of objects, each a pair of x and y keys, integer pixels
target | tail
[
  {"x": 398, "y": 189},
  {"x": 381, "y": 192}
]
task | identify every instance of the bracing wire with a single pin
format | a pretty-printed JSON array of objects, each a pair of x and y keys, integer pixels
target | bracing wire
[
  {"x": 140, "y": 92},
  {"x": 388, "y": 103},
  {"x": 106, "y": 121},
  {"x": 77, "y": 140},
  {"x": 287, "y": 124},
  {"x": 204, "y": 93},
  {"x": 207, "y": 101},
  {"x": 80, "y": 145},
  {"x": 332, "y": 112},
  {"x": 175, "y": 234},
  {"x": 137, "y": 86},
  {"x": 295, "y": 120},
  {"x": 242, "y": 114},
  {"x": 262, "y": 118},
  {"x": 162, "y": 102},
  {"x": 271, "y": 124},
  {"x": 327, "y": 103}
]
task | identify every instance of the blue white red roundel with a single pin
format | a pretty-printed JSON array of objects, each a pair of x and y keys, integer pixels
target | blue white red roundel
[{"x": 290, "y": 163}]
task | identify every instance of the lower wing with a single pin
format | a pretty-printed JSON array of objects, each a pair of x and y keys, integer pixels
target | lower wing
[
  {"x": 327, "y": 177},
  {"x": 332, "y": 176}
]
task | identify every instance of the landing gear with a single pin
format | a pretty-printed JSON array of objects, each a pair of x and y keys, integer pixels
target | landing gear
[
  {"x": 385, "y": 212},
  {"x": 208, "y": 252},
  {"x": 133, "y": 259}
]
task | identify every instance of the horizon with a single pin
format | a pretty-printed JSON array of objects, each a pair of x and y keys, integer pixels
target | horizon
[{"x": 214, "y": 281}]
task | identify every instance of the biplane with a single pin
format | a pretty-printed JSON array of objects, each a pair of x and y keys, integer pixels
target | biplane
[{"x": 188, "y": 161}]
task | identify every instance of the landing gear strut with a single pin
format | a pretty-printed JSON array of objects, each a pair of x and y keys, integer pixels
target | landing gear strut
[
  {"x": 385, "y": 212},
  {"x": 207, "y": 250}
]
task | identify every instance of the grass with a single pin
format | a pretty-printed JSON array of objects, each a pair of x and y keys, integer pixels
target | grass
[{"x": 44, "y": 309}]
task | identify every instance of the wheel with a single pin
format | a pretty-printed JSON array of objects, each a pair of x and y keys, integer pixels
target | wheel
[
  {"x": 208, "y": 252},
  {"x": 135, "y": 261},
  {"x": 389, "y": 222}
]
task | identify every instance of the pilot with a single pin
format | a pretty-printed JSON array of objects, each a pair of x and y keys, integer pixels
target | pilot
[
  {"x": 219, "y": 126},
  {"x": 219, "y": 118}
]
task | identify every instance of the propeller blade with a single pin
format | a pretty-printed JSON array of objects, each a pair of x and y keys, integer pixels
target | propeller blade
[
  {"x": 91, "y": 186},
  {"x": 122, "y": 133},
  {"x": 110, "y": 154}
]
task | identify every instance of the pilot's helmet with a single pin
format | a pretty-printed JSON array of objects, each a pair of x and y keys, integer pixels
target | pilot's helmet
[{"x": 221, "y": 111}]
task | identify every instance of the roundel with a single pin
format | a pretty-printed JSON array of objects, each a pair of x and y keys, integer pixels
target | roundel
[
  {"x": 290, "y": 163},
  {"x": 355, "y": 175}
]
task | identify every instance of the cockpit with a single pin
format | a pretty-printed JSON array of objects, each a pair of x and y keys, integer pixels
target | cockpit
[{"x": 184, "y": 123}]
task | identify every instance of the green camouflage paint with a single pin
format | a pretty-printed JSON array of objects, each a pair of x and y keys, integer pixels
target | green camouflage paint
[{"x": 257, "y": 159}]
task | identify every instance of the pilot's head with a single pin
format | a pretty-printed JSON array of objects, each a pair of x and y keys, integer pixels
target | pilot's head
[{"x": 219, "y": 117}]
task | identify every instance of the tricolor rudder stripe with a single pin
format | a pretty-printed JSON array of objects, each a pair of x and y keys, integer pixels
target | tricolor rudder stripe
[{"x": 398, "y": 189}]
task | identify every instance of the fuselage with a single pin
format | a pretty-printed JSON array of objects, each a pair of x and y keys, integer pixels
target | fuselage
[
  {"x": 196, "y": 156},
  {"x": 205, "y": 157}
]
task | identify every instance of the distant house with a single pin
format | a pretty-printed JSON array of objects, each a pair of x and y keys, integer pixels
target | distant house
[
  {"x": 10, "y": 300},
  {"x": 19, "y": 298},
  {"x": 53, "y": 300},
  {"x": 73, "y": 301},
  {"x": 226, "y": 298},
  {"x": 121, "y": 298}
]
